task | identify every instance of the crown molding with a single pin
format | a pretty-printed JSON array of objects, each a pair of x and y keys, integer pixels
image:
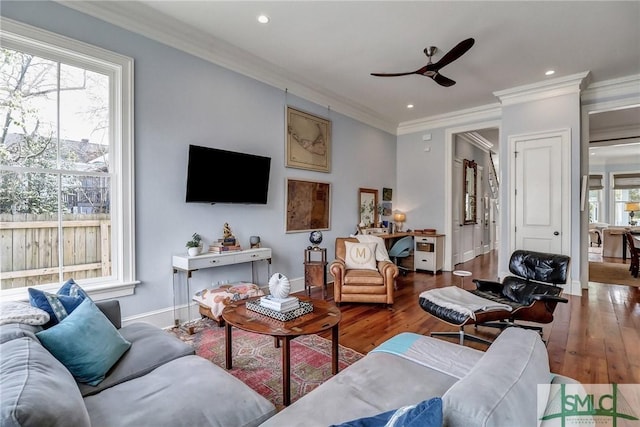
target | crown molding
[
  {"x": 624, "y": 86},
  {"x": 545, "y": 89},
  {"x": 474, "y": 138},
  {"x": 615, "y": 133},
  {"x": 455, "y": 118},
  {"x": 160, "y": 28}
]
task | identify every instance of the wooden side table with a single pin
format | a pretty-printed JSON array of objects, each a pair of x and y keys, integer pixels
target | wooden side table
[{"x": 315, "y": 270}]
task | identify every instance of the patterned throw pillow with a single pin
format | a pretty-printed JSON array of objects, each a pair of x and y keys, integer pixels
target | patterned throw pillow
[
  {"x": 427, "y": 413},
  {"x": 60, "y": 304},
  {"x": 360, "y": 256}
]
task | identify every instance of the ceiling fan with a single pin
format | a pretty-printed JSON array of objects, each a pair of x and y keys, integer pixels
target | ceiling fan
[{"x": 431, "y": 69}]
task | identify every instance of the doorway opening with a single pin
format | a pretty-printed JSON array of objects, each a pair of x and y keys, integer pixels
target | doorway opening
[
  {"x": 466, "y": 239},
  {"x": 612, "y": 163}
]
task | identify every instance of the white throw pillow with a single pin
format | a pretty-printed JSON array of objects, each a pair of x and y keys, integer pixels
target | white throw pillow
[
  {"x": 360, "y": 256},
  {"x": 381, "y": 249}
]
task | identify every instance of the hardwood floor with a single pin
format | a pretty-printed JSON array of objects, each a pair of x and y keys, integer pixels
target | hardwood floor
[{"x": 594, "y": 338}]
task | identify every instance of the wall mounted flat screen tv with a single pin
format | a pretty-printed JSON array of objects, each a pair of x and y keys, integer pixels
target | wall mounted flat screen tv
[{"x": 221, "y": 176}]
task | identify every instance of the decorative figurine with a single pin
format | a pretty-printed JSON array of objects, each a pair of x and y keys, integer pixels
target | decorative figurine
[
  {"x": 228, "y": 239},
  {"x": 254, "y": 241},
  {"x": 279, "y": 286},
  {"x": 226, "y": 231}
]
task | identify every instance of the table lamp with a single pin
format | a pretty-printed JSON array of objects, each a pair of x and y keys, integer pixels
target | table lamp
[
  {"x": 631, "y": 207},
  {"x": 399, "y": 218}
]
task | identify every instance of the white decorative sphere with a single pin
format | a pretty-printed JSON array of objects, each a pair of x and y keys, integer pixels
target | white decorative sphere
[{"x": 279, "y": 286}]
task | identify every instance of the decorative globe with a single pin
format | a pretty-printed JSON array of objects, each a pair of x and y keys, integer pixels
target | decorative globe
[{"x": 315, "y": 237}]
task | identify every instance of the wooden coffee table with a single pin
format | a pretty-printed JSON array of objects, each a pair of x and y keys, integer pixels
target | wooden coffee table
[{"x": 325, "y": 315}]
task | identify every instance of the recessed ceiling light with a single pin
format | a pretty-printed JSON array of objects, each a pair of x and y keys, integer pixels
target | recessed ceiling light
[
  {"x": 409, "y": 105},
  {"x": 263, "y": 19},
  {"x": 549, "y": 73}
]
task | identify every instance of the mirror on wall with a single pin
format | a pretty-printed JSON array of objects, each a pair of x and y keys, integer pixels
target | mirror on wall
[
  {"x": 469, "y": 200},
  {"x": 368, "y": 199}
]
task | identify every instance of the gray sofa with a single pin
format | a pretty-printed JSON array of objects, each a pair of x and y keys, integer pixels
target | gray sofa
[
  {"x": 493, "y": 388},
  {"x": 159, "y": 381}
]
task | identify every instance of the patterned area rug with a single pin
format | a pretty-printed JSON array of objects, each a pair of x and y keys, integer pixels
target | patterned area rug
[
  {"x": 612, "y": 273},
  {"x": 257, "y": 362}
]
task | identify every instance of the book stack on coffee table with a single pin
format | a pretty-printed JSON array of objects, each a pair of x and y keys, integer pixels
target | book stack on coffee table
[
  {"x": 280, "y": 304},
  {"x": 283, "y": 309}
]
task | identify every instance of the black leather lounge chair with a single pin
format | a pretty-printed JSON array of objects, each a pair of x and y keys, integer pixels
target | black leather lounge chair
[{"x": 531, "y": 295}]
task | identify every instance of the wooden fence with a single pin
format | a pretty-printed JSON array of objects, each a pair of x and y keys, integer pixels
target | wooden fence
[{"x": 30, "y": 248}]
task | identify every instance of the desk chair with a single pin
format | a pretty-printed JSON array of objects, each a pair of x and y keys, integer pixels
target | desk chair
[{"x": 401, "y": 249}]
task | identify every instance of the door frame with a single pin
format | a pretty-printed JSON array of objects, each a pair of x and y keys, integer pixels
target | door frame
[
  {"x": 449, "y": 141},
  {"x": 565, "y": 138},
  {"x": 586, "y": 111}
]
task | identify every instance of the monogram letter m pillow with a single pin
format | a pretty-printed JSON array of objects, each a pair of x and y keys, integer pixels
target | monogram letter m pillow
[{"x": 360, "y": 256}]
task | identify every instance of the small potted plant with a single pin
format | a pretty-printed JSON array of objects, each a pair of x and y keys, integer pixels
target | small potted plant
[{"x": 193, "y": 245}]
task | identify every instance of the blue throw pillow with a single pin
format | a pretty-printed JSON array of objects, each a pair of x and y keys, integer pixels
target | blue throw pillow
[
  {"x": 60, "y": 304},
  {"x": 427, "y": 413},
  {"x": 86, "y": 342}
]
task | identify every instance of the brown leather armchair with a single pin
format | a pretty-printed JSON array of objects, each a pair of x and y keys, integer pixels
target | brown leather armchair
[{"x": 361, "y": 285}]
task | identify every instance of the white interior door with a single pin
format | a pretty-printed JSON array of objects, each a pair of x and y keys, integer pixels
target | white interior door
[{"x": 541, "y": 185}]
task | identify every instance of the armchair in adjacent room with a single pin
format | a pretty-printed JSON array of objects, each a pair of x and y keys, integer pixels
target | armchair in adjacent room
[
  {"x": 358, "y": 276},
  {"x": 531, "y": 294}
]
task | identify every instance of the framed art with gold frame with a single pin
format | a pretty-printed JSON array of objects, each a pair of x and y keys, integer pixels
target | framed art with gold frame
[
  {"x": 308, "y": 144},
  {"x": 308, "y": 205}
]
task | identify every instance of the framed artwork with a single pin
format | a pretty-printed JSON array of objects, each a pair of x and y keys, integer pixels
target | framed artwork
[
  {"x": 308, "y": 205},
  {"x": 386, "y": 209},
  {"x": 387, "y": 194},
  {"x": 368, "y": 203},
  {"x": 308, "y": 144}
]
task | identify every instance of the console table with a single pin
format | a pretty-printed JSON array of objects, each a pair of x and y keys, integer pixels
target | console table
[{"x": 188, "y": 264}]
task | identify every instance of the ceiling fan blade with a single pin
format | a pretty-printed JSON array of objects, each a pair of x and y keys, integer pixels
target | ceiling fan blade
[
  {"x": 443, "y": 81},
  {"x": 393, "y": 74},
  {"x": 455, "y": 53}
]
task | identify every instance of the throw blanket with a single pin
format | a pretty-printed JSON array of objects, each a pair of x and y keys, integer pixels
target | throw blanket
[
  {"x": 462, "y": 301},
  {"x": 217, "y": 298},
  {"x": 455, "y": 360},
  {"x": 381, "y": 249}
]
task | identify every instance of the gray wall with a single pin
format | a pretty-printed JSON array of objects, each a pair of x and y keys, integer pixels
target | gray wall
[{"x": 182, "y": 100}]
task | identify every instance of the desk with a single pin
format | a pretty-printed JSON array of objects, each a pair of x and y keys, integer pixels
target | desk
[
  {"x": 428, "y": 249},
  {"x": 390, "y": 239},
  {"x": 189, "y": 264}
]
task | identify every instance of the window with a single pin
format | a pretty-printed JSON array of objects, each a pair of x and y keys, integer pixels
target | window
[
  {"x": 595, "y": 206},
  {"x": 626, "y": 190},
  {"x": 66, "y": 164},
  {"x": 595, "y": 198}
]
